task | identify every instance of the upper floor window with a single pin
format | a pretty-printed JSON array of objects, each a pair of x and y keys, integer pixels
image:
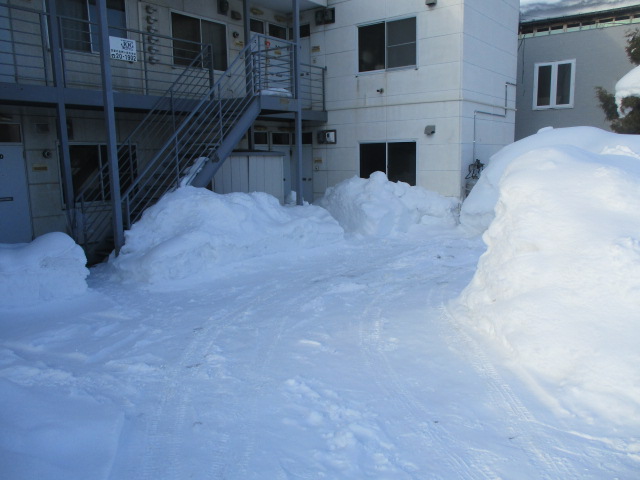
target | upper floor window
[
  {"x": 387, "y": 45},
  {"x": 82, "y": 34},
  {"x": 553, "y": 84},
  {"x": 190, "y": 32}
]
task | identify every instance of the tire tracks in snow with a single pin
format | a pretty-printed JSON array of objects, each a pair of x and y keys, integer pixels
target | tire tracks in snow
[
  {"x": 164, "y": 456},
  {"x": 441, "y": 446},
  {"x": 523, "y": 429}
]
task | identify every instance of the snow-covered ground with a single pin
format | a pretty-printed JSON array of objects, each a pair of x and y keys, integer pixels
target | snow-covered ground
[{"x": 369, "y": 337}]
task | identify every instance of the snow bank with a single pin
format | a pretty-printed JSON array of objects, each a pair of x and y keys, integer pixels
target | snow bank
[
  {"x": 49, "y": 268},
  {"x": 477, "y": 211},
  {"x": 559, "y": 285},
  {"x": 192, "y": 231},
  {"x": 378, "y": 207},
  {"x": 627, "y": 86}
]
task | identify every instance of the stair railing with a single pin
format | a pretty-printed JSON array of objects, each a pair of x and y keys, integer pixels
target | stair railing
[{"x": 257, "y": 69}]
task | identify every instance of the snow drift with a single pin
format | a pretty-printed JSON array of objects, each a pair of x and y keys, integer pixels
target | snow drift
[
  {"x": 378, "y": 207},
  {"x": 51, "y": 267},
  {"x": 192, "y": 231},
  {"x": 477, "y": 211},
  {"x": 558, "y": 287}
]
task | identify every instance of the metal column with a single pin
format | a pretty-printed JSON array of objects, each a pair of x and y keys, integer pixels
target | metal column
[
  {"x": 250, "y": 87},
  {"x": 110, "y": 121},
  {"x": 296, "y": 88},
  {"x": 55, "y": 39}
]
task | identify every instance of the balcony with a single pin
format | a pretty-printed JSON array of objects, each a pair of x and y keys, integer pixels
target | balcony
[{"x": 141, "y": 75}]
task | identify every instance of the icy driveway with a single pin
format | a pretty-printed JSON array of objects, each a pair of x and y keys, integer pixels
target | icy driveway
[{"x": 339, "y": 363}]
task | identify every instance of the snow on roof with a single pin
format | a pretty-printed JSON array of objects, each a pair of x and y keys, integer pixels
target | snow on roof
[{"x": 534, "y": 10}]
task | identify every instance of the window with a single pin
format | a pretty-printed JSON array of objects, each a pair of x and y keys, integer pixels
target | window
[
  {"x": 553, "y": 84},
  {"x": 89, "y": 161},
  {"x": 190, "y": 33},
  {"x": 82, "y": 34},
  {"x": 271, "y": 29},
  {"x": 396, "y": 159},
  {"x": 387, "y": 45},
  {"x": 10, "y": 133}
]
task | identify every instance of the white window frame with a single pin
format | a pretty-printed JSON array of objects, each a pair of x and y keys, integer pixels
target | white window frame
[
  {"x": 554, "y": 85},
  {"x": 386, "y": 46}
]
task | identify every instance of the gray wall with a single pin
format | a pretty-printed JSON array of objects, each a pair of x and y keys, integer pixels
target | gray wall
[{"x": 600, "y": 61}]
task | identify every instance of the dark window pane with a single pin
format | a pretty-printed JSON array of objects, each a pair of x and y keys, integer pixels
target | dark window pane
[
  {"x": 186, "y": 33},
  {"x": 85, "y": 168},
  {"x": 256, "y": 26},
  {"x": 280, "y": 139},
  {"x": 307, "y": 138},
  {"x": 402, "y": 162},
  {"x": 305, "y": 30},
  {"x": 544, "y": 86},
  {"x": 401, "y": 32},
  {"x": 277, "y": 31},
  {"x": 563, "y": 87},
  {"x": 401, "y": 55},
  {"x": 10, "y": 133},
  {"x": 371, "y": 47},
  {"x": 75, "y": 33},
  {"x": 260, "y": 138},
  {"x": 401, "y": 43},
  {"x": 373, "y": 158},
  {"x": 216, "y": 35}
]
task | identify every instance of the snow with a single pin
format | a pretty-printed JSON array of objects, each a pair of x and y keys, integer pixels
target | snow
[
  {"x": 558, "y": 288},
  {"x": 238, "y": 338},
  {"x": 192, "y": 231},
  {"x": 627, "y": 86},
  {"x": 50, "y": 267},
  {"x": 377, "y": 207}
]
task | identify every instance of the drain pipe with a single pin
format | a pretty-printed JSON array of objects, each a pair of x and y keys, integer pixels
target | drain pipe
[{"x": 501, "y": 115}]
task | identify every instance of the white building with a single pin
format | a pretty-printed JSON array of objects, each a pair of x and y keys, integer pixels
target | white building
[{"x": 417, "y": 88}]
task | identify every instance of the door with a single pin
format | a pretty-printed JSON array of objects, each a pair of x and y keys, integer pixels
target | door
[{"x": 15, "y": 214}]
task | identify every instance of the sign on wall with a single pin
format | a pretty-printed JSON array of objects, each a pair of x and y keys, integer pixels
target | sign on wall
[{"x": 123, "y": 49}]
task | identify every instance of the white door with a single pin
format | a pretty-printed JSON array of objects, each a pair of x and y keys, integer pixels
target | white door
[{"x": 15, "y": 214}]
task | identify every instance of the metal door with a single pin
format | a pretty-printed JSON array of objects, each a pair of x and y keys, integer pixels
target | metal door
[{"x": 15, "y": 214}]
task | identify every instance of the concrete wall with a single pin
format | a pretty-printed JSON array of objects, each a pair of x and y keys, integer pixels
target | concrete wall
[{"x": 600, "y": 61}]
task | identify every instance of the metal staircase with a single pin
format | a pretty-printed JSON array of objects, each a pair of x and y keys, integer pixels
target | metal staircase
[{"x": 185, "y": 138}]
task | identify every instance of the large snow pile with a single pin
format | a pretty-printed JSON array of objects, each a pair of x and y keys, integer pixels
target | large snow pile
[
  {"x": 627, "y": 86},
  {"x": 378, "y": 207},
  {"x": 49, "y": 268},
  {"x": 477, "y": 211},
  {"x": 558, "y": 287},
  {"x": 192, "y": 231}
]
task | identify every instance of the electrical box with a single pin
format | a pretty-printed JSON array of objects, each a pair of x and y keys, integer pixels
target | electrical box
[
  {"x": 326, "y": 16},
  {"x": 327, "y": 136}
]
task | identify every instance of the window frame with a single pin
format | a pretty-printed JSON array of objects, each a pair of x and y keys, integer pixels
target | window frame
[
  {"x": 386, "y": 144},
  {"x": 88, "y": 39},
  {"x": 386, "y": 48},
  {"x": 553, "y": 87},
  {"x": 200, "y": 20}
]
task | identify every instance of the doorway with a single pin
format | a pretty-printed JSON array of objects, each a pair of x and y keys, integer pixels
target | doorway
[{"x": 15, "y": 211}]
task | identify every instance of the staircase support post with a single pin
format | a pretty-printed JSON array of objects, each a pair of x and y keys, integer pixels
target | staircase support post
[
  {"x": 296, "y": 89},
  {"x": 110, "y": 120}
]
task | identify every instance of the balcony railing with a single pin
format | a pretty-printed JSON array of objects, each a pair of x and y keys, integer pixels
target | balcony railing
[{"x": 25, "y": 58}]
